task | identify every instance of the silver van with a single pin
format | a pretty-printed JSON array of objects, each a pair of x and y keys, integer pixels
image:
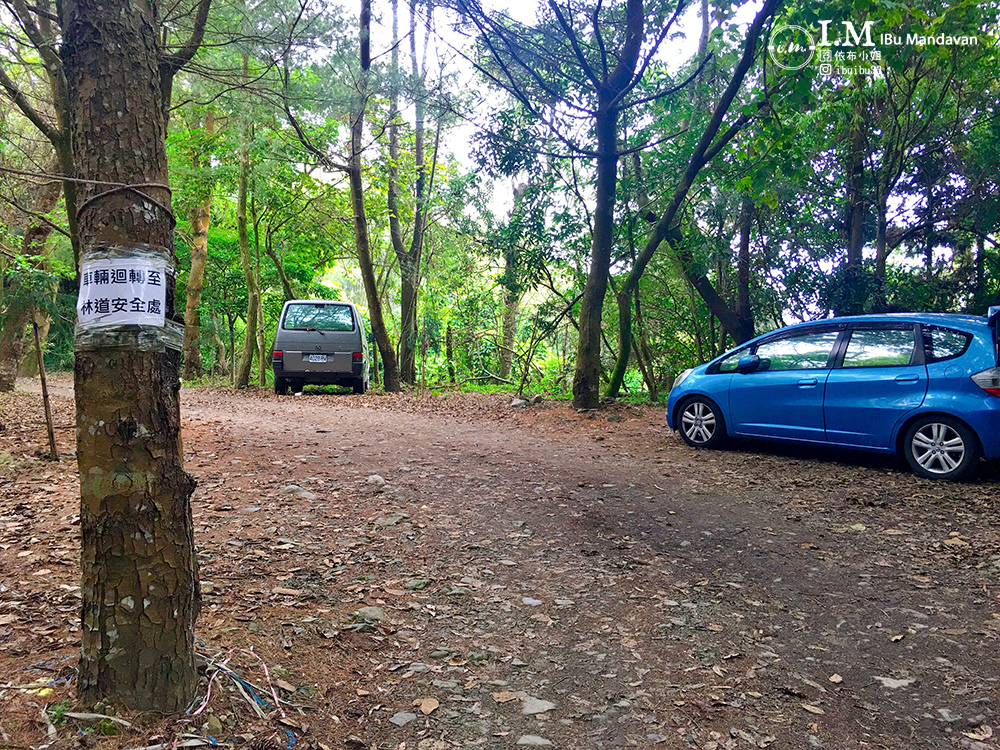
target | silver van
[{"x": 320, "y": 342}]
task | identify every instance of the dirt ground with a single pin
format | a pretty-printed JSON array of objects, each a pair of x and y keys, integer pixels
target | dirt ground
[{"x": 426, "y": 572}]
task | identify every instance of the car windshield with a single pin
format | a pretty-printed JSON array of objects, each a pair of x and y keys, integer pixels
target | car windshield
[{"x": 318, "y": 317}]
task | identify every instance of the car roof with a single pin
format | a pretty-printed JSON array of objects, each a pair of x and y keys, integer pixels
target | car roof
[
  {"x": 318, "y": 302},
  {"x": 962, "y": 322}
]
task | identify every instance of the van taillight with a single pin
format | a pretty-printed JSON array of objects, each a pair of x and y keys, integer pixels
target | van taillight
[
  {"x": 989, "y": 381},
  {"x": 358, "y": 356},
  {"x": 277, "y": 354}
]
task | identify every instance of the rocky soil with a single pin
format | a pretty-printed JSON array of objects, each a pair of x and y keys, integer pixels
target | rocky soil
[{"x": 444, "y": 571}]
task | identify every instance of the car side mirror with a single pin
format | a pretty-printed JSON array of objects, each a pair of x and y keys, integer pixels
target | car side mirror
[{"x": 747, "y": 364}]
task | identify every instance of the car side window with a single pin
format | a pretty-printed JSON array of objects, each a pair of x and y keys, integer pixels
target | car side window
[
  {"x": 808, "y": 351},
  {"x": 729, "y": 363},
  {"x": 880, "y": 348},
  {"x": 944, "y": 343}
]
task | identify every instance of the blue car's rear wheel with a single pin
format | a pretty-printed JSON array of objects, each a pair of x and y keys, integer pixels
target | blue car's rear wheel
[
  {"x": 700, "y": 423},
  {"x": 941, "y": 447}
]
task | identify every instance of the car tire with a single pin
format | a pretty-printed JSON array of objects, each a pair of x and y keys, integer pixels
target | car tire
[
  {"x": 700, "y": 423},
  {"x": 359, "y": 386},
  {"x": 941, "y": 447},
  {"x": 280, "y": 385}
]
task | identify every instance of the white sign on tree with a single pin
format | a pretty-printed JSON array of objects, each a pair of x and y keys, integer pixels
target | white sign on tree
[{"x": 122, "y": 292}]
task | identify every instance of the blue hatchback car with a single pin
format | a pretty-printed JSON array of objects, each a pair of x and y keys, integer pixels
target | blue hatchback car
[{"x": 925, "y": 386}]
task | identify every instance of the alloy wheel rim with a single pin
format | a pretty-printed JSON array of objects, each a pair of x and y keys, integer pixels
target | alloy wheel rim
[
  {"x": 938, "y": 448},
  {"x": 699, "y": 422}
]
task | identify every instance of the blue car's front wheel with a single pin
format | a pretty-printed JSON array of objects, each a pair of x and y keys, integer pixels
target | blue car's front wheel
[
  {"x": 941, "y": 447},
  {"x": 701, "y": 423}
]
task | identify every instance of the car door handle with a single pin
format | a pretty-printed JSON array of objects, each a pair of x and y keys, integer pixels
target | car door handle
[
  {"x": 808, "y": 383},
  {"x": 907, "y": 379}
]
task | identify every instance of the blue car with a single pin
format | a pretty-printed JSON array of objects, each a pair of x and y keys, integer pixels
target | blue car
[{"x": 925, "y": 386}]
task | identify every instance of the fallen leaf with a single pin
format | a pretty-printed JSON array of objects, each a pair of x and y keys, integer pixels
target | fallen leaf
[
  {"x": 287, "y": 592},
  {"x": 285, "y": 686},
  {"x": 813, "y": 709},
  {"x": 836, "y": 679},
  {"x": 504, "y": 696},
  {"x": 956, "y": 542},
  {"x": 898, "y": 638},
  {"x": 982, "y": 733},
  {"x": 427, "y": 706}
]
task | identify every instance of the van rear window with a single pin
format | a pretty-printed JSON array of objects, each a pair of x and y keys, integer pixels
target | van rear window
[{"x": 318, "y": 317}]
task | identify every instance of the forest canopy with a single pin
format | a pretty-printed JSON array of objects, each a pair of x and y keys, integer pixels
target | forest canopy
[{"x": 585, "y": 199}]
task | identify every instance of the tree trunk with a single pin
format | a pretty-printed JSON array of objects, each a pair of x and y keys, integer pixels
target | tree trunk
[
  {"x": 249, "y": 275},
  {"x": 644, "y": 354},
  {"x": 199, "y": 218},
  {"x": 449, "y": 352},
  {"x": 221, "y": 364},
  {"x": 286, "y": 285},
  {"x": 511, "y": 303},
  {"x": 587, "y": 378},
  {"x": 744, "y": 313},
  {"x": 18, "y": 305},
  {"x": 853, "y": 299},
  {"x": 140, "y": 590},
  {"x": 361, "y": 240}
]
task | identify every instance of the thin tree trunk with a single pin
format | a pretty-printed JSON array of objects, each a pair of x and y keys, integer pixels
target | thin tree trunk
[
  {"x": 361, "y": 240},
  {"x": 286, "y": 285},
  {"x": 644, "y": 354},
  {"x": 221, "y": 364},
  {"x": 249, "y": 274},
  {"x": 743, "y": 311},
  {"x": 511, "y": 303},
  {"x": 199, "y": 217},
  {"x": 449, "y": 352},
  {"x": 139, "y": 590}
]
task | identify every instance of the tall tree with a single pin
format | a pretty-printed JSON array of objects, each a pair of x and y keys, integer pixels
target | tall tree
[
  {"x": 199, "y": 216},
  {"x": 361, "y": 238},
  {"x": 579, "y": 66},
  {"x": 140, "y": 590},
  {"x": 409, "y": 258},
  {"x": 714, "y": 137}
]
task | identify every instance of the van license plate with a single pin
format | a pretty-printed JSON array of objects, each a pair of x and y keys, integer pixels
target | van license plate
[{"x": 317, "y": 358}]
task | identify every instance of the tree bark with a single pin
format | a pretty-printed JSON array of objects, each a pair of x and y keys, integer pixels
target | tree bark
[
  {"x": 140, "y": 590},
  {"x": 361, "y": 240},
  {"x": 199, "y": 217}
]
